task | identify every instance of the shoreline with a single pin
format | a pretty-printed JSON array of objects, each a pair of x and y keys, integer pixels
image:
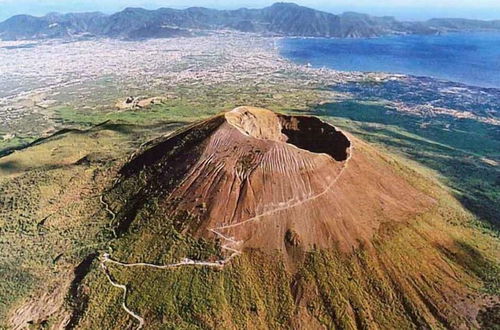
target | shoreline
[
  {"x": 321, "y": 58},
  {"x": 97, "y": 73}
]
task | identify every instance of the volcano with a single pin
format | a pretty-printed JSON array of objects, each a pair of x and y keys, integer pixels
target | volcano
[
  {"x": 254, "y": 219},
  {"x": 273, "y": 181}
]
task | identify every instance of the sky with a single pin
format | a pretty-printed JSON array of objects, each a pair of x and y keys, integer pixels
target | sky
[{"x": 402, "y": 9}]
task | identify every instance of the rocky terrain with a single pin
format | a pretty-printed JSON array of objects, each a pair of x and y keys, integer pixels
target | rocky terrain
[
  {"x": 257, "y": 176},
  {"x": 133, "y": 195},
  {"x": 246, "y": 219},
  {"x": 257, "y": 219}
]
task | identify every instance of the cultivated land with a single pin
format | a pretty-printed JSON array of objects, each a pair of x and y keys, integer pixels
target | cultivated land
[
  {"x": 51, "y": 84},
  {"x": 60, "y": 213}
]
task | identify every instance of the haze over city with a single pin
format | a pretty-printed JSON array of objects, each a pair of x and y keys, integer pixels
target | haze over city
[{"x": 249, "y": 164}]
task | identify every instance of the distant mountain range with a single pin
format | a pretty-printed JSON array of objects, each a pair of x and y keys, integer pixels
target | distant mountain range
[{"x": 281, "y": 19}]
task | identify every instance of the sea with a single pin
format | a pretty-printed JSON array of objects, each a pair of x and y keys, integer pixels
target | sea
[{"x": 469, "y": 58}]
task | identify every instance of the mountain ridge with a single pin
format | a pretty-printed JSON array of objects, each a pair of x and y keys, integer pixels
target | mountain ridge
[{"x": 279, "y": 19}]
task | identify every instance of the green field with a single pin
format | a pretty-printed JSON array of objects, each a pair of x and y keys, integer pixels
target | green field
[{"x": 52, "y": 221}]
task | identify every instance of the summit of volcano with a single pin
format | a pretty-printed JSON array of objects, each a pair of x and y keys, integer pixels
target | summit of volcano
[
  {"x": 291, "y": 200},
  {"x": 271, "y": 181},
  {"x": 257, "y": 219}
]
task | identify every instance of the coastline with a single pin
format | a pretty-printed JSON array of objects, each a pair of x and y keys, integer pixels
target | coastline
[
  {"x": 451, "y": 57},
  {"x": 99, "y": 72}
]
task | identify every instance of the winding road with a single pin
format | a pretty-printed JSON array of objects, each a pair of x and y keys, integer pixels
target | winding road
[{"x": 231, "y": 245}]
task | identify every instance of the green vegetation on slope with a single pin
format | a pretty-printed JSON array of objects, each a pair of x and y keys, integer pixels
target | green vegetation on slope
[
  {"x": 407, "y": 281},
  {"x": 185, "y": 104},
  {"x": 462, "y": 151},
  {"x": 51, "y": 217},
  {"x": 53, "y": 220},
  {"x": 412, "y": 277}
]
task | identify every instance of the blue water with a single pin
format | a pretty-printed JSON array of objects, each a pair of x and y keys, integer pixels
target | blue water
[{"x": 470, "y": 58}]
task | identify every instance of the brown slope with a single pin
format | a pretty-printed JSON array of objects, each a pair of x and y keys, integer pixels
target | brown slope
[
  {"x": 283, "y": 185},
  {"x": 270, "y": 180}
]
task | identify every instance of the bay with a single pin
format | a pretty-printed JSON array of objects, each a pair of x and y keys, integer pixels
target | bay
[{"x": 469, "y": 58}]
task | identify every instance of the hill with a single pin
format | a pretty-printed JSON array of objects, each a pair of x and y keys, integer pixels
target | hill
[
  {"x": 258, "y": 176},
  {"x": 337, "y": 229},
  {"x": 462, "y": 24},
  {"x": 280, "y": 19},
  {"x": 249, "y": 219}
]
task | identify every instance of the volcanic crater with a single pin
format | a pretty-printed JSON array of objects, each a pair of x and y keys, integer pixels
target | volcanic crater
[{"x": 275, "y": 182}]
